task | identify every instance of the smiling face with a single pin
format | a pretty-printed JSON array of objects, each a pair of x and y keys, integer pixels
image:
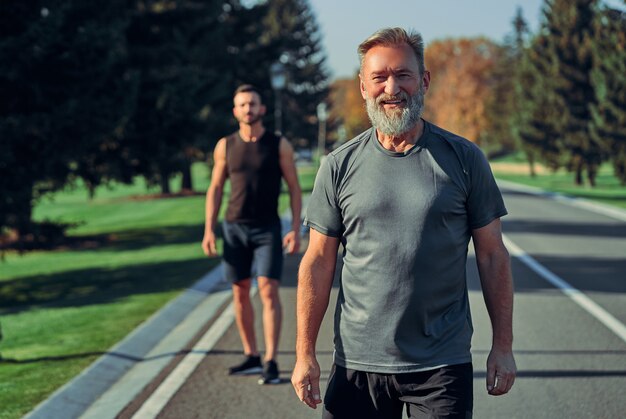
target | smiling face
[
  {"x": 393, "y": 88},
  {"x": 248, "y": 108}
]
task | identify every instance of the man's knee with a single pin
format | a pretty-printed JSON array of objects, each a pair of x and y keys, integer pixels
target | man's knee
[
  {"x": 268, "y": 291},
  {"x": 241, "y": 291}
]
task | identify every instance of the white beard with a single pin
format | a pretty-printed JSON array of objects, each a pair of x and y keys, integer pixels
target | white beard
[{"x": 399, "y": 121}]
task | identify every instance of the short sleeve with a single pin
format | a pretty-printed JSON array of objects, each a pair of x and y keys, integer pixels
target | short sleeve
[
  {"x": 323, "y": 213},
  {"x": 485, "y": 202}
]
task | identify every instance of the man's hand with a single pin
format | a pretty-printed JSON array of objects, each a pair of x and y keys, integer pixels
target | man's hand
[
  {"x": 501, "y": 371},
  {"x": 291, "y": 242},
  {"x": 306, "y": 381},
  {"x": 208, "y": 244}
]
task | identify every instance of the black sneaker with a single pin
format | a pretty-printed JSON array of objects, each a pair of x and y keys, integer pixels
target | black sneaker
[
  {"x": 252, "y": 365},
  {"x": 270, "y": 374}
]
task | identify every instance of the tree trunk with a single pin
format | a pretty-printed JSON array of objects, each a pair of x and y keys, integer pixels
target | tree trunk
[
  {"x": 187, "y": 183},
  {"x": 578, "y": 171},
  {"x": 620, "y": 171},
  {"x": 23, "y": 221},
  {"x": 531, "y": 164},
  {"x": 592, "y": 172},
  {"x": 91, "y": 190},
  {"x": 579, "y": 176},
  {"x": 165, "y": 182}
]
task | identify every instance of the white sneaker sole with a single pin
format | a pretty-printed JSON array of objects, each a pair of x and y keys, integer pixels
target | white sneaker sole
[{"x": 276, "y": 380}]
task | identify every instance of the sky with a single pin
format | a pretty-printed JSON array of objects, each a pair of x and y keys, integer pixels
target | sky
[{"x": 344, "y": 24}]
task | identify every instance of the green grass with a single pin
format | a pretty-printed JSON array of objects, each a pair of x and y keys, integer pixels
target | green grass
[
  {"x": 61, "y": 309},
  {"x": 607, "y": 190}
]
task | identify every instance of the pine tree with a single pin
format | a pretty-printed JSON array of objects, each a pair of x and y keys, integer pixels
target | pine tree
[
  {"x": 291, "y": 32},
  {"x": 570, "y": 33},
  {"x": 518, "y": 45},
  {"x": 502, "y": 106},
  {"x": 538, "y": 111},
  {"x": 64, "y": 95},
  {"x": 178, "y": 50},
  {"x": 609, "y": 81}
]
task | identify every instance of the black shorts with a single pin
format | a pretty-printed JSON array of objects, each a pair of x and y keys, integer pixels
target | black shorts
[
  {"x": 443, "y": 392},
  {"x": 248, "y": 243}
]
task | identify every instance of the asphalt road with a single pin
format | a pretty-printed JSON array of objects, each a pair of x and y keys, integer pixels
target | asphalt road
[{"x": 571, "y": 365}]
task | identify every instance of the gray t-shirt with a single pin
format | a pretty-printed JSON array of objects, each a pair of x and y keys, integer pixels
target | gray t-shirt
[{"x": 405, "y": 221}]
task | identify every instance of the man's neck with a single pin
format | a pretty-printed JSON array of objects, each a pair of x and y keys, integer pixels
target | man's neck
[
  {"x": 251, "y": 132},
  {"x": 403, "y": 142}
]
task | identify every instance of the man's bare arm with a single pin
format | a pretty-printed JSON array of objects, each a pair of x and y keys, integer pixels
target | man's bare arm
[
  {"x": 214, "y": 197},
  {"x": 315, "y": 280},
  {"x": 288, "y": 168},
  {"x": 494, "y": 267}
]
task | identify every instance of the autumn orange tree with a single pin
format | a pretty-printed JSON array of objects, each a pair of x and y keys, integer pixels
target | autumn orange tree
[
  {"x": 461, "y": 78},
  {"x": 347, "y": 107}
]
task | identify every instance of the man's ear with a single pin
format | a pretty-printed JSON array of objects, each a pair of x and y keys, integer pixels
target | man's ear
[
  {"x": 426, "y": 80},
  {"x": 362, "y": 88}
]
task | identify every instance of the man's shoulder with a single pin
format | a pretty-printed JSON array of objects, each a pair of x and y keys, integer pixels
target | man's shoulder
[
  {"x": 465, "y": 150},
  {"x": 232, "y": 136},
  {"x": 450, "y": 137},
  {"x": 349, "y": 147}
]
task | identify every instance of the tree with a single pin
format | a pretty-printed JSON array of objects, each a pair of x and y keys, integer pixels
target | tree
[
  {"x": 608, "y": 78},
  {"x": 503, "y": 103},
  {"x": 178, "y": 51},
  {"x": 538, "y": 109},
  {"x": 462, "y": 72},
  {"x": 517, "y": 46},
  {"x": 347, "y": 106},
  {"x": 500, "y": 106},
  {"x": 291, "y": 32},
  {"x": 62, "y": 80},
  {"x": 569, "y": 27}
]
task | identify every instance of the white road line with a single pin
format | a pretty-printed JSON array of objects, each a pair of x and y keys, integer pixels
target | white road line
[
  {"x": 166, "y": 390},
  {"x": 577, "y": 296}
]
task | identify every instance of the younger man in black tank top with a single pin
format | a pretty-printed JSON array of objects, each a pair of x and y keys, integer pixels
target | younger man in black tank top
[{"x": 254, "y": 161}]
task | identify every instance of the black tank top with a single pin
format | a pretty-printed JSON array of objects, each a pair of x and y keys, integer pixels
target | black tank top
[{"x": 254, "y": 172}]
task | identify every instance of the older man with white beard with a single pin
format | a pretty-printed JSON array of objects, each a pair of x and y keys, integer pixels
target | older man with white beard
[{"x": 404, "y": 198}]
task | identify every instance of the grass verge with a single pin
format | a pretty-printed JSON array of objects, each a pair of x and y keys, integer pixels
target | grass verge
[
  {"x": 607, "y": 191},
  {"x": 62, "y": 309}
]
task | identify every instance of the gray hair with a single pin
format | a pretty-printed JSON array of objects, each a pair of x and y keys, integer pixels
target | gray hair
[{"x": 395, "y": 37}]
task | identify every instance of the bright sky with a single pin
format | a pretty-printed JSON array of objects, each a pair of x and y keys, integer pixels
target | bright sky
[{"x": 344, "y": 24}]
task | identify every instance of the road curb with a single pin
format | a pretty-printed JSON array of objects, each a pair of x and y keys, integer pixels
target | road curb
[{"x": 167, "y": 331}]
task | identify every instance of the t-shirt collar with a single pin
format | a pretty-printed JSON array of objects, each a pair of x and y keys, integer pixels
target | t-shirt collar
[{"x": 419, "y": 144}]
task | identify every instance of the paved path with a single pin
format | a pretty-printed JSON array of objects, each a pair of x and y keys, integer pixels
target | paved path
[{"x": 569, "y": 264}]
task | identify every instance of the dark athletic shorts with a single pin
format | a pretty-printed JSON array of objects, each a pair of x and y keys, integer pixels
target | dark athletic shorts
[
  {"x": 248, "y": 243},
  {"x": 445, "y": 392}
]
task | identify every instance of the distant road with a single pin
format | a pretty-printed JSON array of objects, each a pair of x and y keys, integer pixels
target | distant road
[{"x": 570, "y": 354}]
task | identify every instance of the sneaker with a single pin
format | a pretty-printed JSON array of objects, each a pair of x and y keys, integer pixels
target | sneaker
[
  {"x": 252, "y": 365},
  {"x": 270, "y": 374}
]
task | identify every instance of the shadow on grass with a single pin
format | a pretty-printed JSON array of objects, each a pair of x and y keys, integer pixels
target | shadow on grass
[
  {"x": 98, "y": 285},
  {"x": 142, "y": 238},
  {"x": 101, "y": 285},
  {"x": 64, "y": 358},
  {"x": 132, "y": 239}
]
